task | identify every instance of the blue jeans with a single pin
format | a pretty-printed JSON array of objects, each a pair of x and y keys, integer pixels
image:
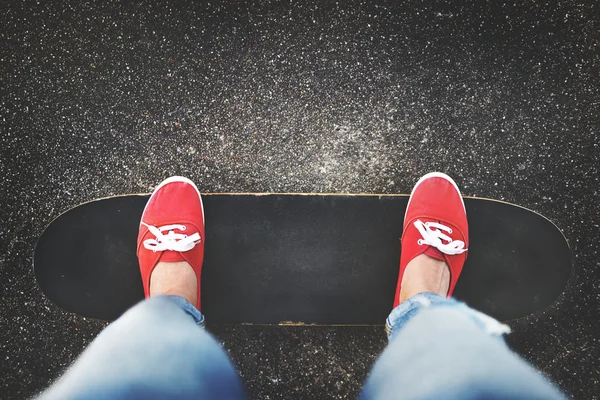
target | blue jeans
[
  {"x": 156, "y": 350},
  {"x": 439, "y": 349}
]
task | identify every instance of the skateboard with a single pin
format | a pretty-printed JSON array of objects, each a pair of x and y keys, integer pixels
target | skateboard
[{"x": 300, "y": 259}]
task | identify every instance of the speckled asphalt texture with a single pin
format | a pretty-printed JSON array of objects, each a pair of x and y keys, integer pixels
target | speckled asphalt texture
[{"x": 298, "y": 96}]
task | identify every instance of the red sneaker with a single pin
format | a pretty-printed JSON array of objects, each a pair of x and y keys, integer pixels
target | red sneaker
[
  {"x": 435, "y": 223},
  {"x": 172, "y": 229}
]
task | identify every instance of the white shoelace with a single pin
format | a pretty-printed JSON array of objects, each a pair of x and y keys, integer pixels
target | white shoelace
[
  {"x": 433, "y": 234},
  {"x": 171, "y": 241}
]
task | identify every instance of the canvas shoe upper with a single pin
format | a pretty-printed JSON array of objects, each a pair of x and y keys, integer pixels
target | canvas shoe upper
[
  {"x": 172, "y": 229},
  {"x": 435, "y": 223}
]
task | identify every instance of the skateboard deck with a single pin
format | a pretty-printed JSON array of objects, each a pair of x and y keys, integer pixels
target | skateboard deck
[{"x": 300, "y": 258}]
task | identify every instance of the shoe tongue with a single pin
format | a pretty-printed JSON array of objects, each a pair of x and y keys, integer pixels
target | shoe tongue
[
  {"x": 435, "y": 253},
  {"x": 171, "y": 256}
]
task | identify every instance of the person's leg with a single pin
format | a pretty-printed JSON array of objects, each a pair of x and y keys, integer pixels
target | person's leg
[
  {"x": 157, "y": 350},
  {"x": 440, "y": 348}
]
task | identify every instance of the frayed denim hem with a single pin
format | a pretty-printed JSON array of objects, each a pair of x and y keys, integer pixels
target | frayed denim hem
[
  {"x": 188, "y": 308},
  {"x": 411, "y": 307}
]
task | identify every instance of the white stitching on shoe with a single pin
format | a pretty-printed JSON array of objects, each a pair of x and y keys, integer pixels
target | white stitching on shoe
[
  {"x": 171, "y": 241},
  {"x": 433, "y": 237}
]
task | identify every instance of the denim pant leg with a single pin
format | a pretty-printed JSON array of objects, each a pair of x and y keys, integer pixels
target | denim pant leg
[
  {"x": 441, "y": 349},
  {"x": 155, "y": 350}
]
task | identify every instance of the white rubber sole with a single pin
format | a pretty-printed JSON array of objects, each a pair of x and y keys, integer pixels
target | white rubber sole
[
  {"x": 171, "y": 180},
  {"x": 435, "y": 175}
]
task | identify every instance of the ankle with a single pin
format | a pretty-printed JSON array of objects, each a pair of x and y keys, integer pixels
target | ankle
[
  {"x": 425, "y": 274},
  {"x": 176, "y": 279}
]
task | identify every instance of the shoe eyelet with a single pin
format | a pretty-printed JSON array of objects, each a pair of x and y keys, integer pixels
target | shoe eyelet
[
  {"x": 184, "y": 236},
  {"x": 183, "y": 227},
  {"x": 450, "y": 231},
  {"x": 419, "y": 242}
]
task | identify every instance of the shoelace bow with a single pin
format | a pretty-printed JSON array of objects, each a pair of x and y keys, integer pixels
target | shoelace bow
[
  {"x": 171, "y": 241},
  {"x": 433, "y": 234}
]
